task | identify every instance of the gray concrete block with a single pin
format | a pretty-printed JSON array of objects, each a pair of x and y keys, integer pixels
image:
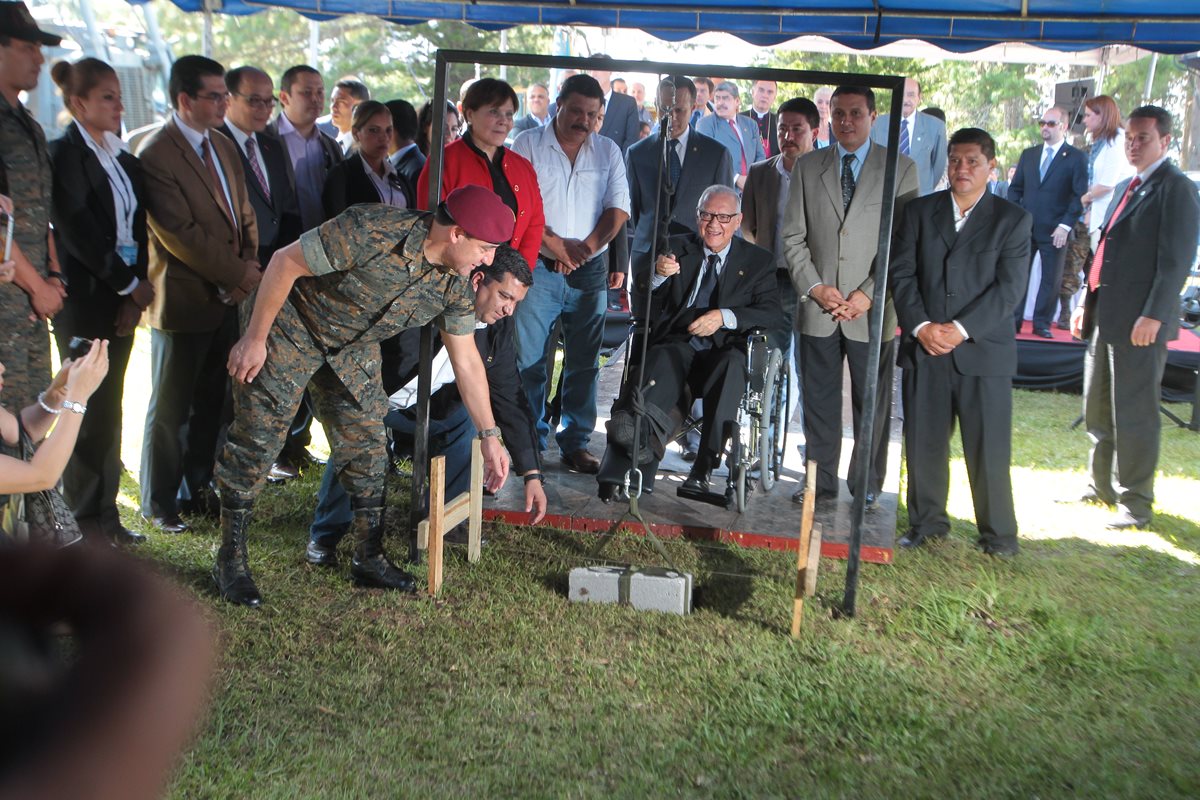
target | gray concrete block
[{"x": 646, "y": 589}]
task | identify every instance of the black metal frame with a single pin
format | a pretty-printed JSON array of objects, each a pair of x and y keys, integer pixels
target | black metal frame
[{"x": 894, "y": 84}]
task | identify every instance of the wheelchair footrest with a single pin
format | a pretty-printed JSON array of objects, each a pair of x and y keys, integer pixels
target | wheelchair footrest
[{"x": 722, "y": 499}]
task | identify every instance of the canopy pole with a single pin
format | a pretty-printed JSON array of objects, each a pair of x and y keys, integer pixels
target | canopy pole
[
  {"x": 314, "y": 44},
  {"x": 1150, "y": 79},
  {"x": 206, "y": 47}
]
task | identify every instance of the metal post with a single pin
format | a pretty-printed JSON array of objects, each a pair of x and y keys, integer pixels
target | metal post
[
  {"x": 420, "y": 463},
  {"x": 150, "y": 17},
  {"x": 314, "y": 43},
  {"x": 206, "y": 47},
  {"x": 1150, "y": 79}
]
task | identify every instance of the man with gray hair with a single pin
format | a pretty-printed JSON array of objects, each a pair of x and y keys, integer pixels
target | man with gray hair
[
  {"x": 707, "y": 291},
  {"x": 739, "y": 134}
]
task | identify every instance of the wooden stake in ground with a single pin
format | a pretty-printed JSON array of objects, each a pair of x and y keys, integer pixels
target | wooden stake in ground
[
  {"x": 467, "y": 506},
  {"x": 803, "y": 552},
  {"x": 437, "y": 522}
]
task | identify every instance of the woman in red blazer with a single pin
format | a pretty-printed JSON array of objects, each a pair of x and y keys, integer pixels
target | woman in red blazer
[{"x": 481, "y": 158}]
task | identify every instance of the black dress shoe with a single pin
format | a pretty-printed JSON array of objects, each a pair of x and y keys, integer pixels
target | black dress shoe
[
  {"x": 689, "y": 455},
  {"x": 282, "y": 472},
  {"x": 168, "y": 523},
  {"x": 917, "y": 538},
  {"x": 321, "y": 555},
  {"x": 1043, "y": 332},
  {"x": 1002, "y": 550},
  {"x": 697, "y": 481},
  {"x": 121, "y": 535}
]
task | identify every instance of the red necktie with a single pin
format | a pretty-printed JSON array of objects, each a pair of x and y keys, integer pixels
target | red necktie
[
  {"x": 1098, "y": 262},
  {"x": 742, "y": 144}
]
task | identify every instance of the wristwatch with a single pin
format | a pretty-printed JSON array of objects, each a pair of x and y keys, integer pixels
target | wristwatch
[
  {"x": 486, "y": 432},
  {"x": 72, "y": 405}
]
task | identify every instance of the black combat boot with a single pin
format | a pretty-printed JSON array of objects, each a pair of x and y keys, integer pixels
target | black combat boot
[
  {"x": 369, "y": 566},
  {"x": 231, "y": 572}
]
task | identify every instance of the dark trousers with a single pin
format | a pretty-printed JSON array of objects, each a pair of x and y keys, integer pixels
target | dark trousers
[
  {"x": 716, "y": 376},
  {"x": 450, "y": 437},
  {"x": 92, "y": 478},
  {"x": 299, "y": 435},
  {"x": 936, "y": 394},
  {"x": 1047, "y": 291},
  {"x": 1120, "y": 408},
  {"x": 189, "y": 408},
  {"x": 822, "y": 389}
]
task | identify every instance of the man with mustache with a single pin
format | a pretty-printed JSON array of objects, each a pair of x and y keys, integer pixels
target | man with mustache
[{"x": 586, "y": 197}]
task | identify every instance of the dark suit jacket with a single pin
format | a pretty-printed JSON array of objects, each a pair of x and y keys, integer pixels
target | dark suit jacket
[
  {"x": 974, "y": 277},
  {"x": 1056, "y": 201},
  {"x": 747, "y": 287},
  {"x": 85, "y": 232},
  {"x": 278, "y": 218},
  {"x": 528, "y": 122},
  {"x": 498, "y": 350},
  {"x": 707, "y": 162},
  {"x": 621, "y": 121},
  {"x": 772, "y": 129},
  {"x": 194, "y": 250},
  {"x": 1148, "y": 252},
  {"x": 348, "y": 184},
  {"x": 409, "y": 167},
  {"x": 760, "y": 203}
]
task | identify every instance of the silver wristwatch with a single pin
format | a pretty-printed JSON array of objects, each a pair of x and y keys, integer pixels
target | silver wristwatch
[
  {"x": 71, "y": 405},
  {"x": 486, "y": 432}
]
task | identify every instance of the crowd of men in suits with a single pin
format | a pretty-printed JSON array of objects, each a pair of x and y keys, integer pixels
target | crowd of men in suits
[{"x": 769, "y": 220}]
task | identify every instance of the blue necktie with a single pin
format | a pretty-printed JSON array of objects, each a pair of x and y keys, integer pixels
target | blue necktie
[
  {"x": 704, "y": 299},
  {"x": 674, "y": 163},
  {"x": 904, "y": 143},
  {"x": 847, "y": 180},
  {"x": 1045, "y": 165}
]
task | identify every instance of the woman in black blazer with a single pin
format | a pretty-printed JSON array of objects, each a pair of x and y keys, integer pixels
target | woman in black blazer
[
  {"x": 367, "y": 176},
  {"x": 100, "y": 230}
]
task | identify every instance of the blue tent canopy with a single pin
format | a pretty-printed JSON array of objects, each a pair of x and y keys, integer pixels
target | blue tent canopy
[{"x": 1165, "y": 26}]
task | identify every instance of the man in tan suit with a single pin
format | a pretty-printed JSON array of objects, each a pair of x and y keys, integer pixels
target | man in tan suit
[
  {"x": 203, "y": 262},
  {"x": 830, "y": 238}
]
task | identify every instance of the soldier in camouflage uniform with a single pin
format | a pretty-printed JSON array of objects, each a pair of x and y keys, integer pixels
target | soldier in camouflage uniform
[
  {"x": 324, "y": 305},
  {"x": 1079, "y": 250},
  {"x": 37, "y": 290}
]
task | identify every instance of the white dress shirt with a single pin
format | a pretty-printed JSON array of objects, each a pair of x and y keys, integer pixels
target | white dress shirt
[
  {"x": 125, "y": 202},
  {"x": 240, "y": 137},
  {"x": 575, "y": 195}
]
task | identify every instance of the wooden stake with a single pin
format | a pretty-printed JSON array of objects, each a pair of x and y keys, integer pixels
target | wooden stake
[
  {"x": 437, "y": 522},
  {"x": 475, "y": 515},
  {"x": 803, "y": 550}
]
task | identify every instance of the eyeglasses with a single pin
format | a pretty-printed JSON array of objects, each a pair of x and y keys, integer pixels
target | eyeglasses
[
  {"x": 1047, "y": 123},
  {"x": 213, "y": 97},
  {"x": 724, "y": 219},
  {"x": 255, "y": 101}
]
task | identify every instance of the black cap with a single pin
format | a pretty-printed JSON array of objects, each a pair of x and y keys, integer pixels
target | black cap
[{"x": 17, "y": 23}]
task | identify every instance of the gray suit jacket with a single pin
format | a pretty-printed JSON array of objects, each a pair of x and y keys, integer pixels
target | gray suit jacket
[
  {"x": 760, "y": 199},
  {"x": 705, "y": 164},
  {"x": 717, "y": 128},
  {"x": 824, "y": 245},
  {"x": 927, "y": 147},
  {"x": 621, "y": 120}
]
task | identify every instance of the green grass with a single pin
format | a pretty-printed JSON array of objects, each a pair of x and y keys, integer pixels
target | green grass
[{"x": 1073, "y": 670}]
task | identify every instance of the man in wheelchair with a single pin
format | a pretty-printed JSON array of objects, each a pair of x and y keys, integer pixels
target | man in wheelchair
[{"x": 707, "y": 292}]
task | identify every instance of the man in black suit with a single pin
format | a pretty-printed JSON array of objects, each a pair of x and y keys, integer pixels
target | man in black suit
[
  {"x": 252, "y": 99},
  {"x": 276, "y": 210},
  {"x": 762, "y": 97},
  {"x": 707, "y": 292},
  {"x": 702, "y": 162},
  {"x": 1049, "y": 183},
  {"x": 1130, "y": 312},
  {"x": 499, "y": 286},
  {"x": 621, "y": 119},
  {"x": 405, "y": 156},
  {"x": 958, "y": 268}
]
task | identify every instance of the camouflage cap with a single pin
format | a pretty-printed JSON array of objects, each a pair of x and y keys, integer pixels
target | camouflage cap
[
  {"x": 481, "y": 213},
  {"x": 17, "y": 23}
]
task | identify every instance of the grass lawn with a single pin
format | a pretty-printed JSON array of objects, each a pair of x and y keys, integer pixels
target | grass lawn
[{"x": 1073, "y": 670}]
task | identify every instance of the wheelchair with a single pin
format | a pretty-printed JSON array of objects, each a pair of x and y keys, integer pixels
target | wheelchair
[{"x": 757, "y": 443}]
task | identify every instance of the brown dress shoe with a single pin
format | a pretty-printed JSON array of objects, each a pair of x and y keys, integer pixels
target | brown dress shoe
[{"x": 581, "y": 461}]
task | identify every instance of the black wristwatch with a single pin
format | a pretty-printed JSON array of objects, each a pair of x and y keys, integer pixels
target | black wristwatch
[
  {"x": 486, "y": 432},
  {"x": 535, "y": 476}
]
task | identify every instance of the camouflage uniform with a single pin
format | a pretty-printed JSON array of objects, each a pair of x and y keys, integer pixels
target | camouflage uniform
[
  {"x": 370, "y": 281},
  {"x": 25, "y": 345},
  {"x": 1079, "y": 249}
]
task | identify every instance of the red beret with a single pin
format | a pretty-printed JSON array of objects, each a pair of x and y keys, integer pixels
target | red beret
[{"x": 481, "y": 213}]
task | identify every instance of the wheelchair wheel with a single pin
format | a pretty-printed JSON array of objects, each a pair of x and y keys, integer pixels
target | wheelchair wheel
[
  {"x": 772, "y": 423},
  {"x": 741, "y": 480}
]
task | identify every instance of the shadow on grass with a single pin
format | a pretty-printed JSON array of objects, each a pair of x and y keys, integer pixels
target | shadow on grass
[{"x": 1181, "y": 532}]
